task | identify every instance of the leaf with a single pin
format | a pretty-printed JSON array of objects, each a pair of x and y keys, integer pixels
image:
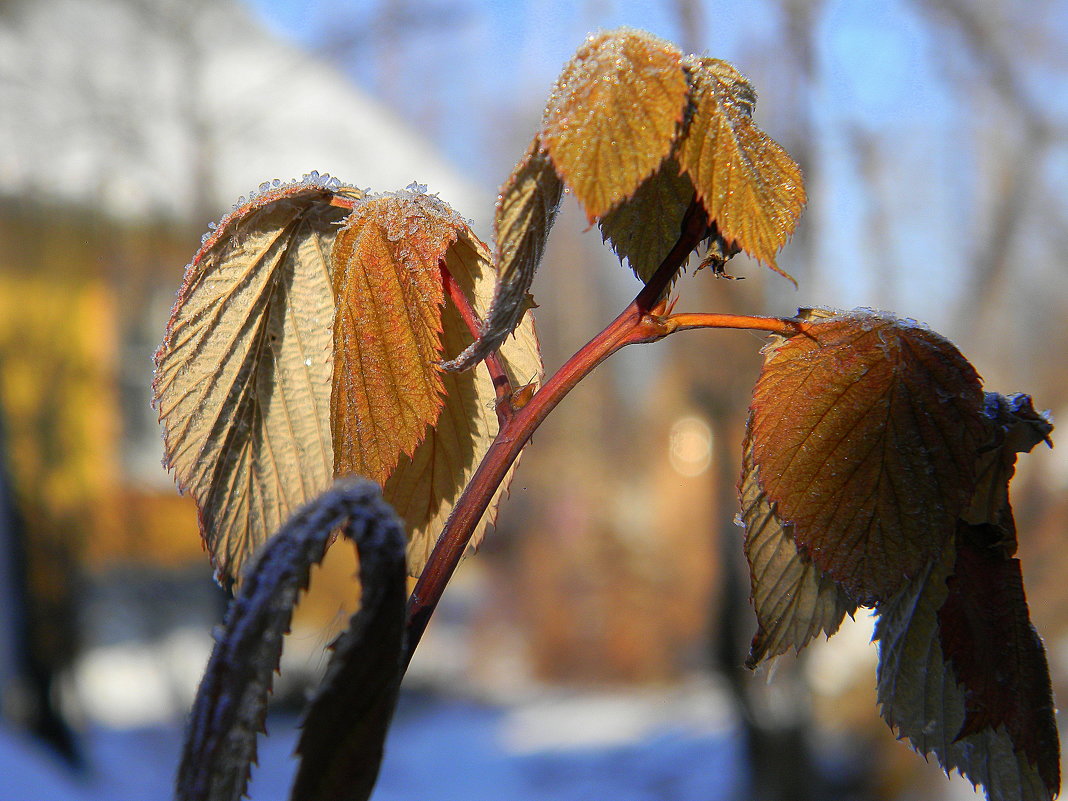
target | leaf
[
  {"x": 346, "y": 722},
  {"x": 231, "y": 702},
  {"x": 645, "y": 228},
  {"x": 1016, "y": 428},
  {"x": 424, "y": 487},
  {"x": 986, "y": 634},
  {"x": 866, "y": 429},
  {"x": 526, "y": 210},
  {"x": 751, "y": 188},
  {"x": 243, "y": 374},
  {"x": 613, "y": 116},
  {"x": 386, "y": 389},
  {"x": 793, "y": 600},
  {"x": 920, "y": 698}
]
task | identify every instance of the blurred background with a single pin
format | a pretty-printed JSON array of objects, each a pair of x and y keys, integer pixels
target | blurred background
[{"x": 593, "y": 648}]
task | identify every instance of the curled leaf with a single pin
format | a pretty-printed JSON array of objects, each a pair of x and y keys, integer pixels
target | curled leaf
[
  {"x": 920, "y": 697},
  {"x": 425, "y": 486},
  {"x": 751, "y": 188},
  {"x": 1016, "y": 428},
  {"x": 866, "y": 429},
  {"x": 243, "y": 376},
  {"x": 526, "y": 210},
  {"x": 986, "y": 635},
  {"x": 793, "y": 600},
  {"x": 613, "y": 116},
  {"x": 231, "y": 702}
]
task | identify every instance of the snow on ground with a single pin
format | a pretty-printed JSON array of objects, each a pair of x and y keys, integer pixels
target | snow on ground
[{"x": 670, "y": 745}]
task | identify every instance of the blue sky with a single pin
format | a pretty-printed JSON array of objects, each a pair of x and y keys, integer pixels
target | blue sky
[{"x": 881, "y": 73}]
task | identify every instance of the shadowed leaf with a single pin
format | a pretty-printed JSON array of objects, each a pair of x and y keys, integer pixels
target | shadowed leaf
[
  {"x": 865, "y": 430},
  {"x": 1016, "y": 428},
  {"x": 645, "y": 228},
  {"x": 424, "y": 487},
  {"x": 526, "y": 210},
  {"x": 243, "y": 374},
  {"x": 231, "y": 703},
  {"x": 986, "y": 634},
  {"x": 387, "y": 330},
  {"x": 920, "y": 698},
  {"x": 613, "y": 115},
  {"x": 793, "y": 601},
  {"x": 751, "y": 188}
]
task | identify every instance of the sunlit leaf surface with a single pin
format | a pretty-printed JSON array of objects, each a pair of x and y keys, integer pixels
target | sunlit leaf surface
[
  {"x": 425, "y": 486},
  {"x": 793, "y": 600},
  {"x": 866, "y": 430},
  {"x": 748, "y": 183},
  {"x": 387, "y": 330},
  {"x": 243, "y": 375},
  {"x": 613, "y": 115}
]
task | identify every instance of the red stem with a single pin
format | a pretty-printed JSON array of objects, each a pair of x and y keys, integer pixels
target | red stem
[
  {"x": 634, "y": 324},
  {"x": 502, "y": 386},
  {"x": 641, "y": 321}
]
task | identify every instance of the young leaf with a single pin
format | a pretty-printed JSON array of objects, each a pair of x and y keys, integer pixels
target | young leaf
[
  {"x": 387, "y": 330},
  {"x": 865, "y": 429},
  {"x": 425, "y": 486},
  {"x": 645, "y": 228},
  {"x": 526, "y": 210},
  {"x": 345, "y": 724},
  {"x": 793, "y": 600},
  {"x": 986, "y": 635},
  {"x": 231, "y": 703},
  {"x": 921, "y": 699},
  {"x": 1017, "y": 428},
  {"x": 243, "y": 375},
  {"x": 750, "y": 187},
  {"x": 613, "y": 115}
]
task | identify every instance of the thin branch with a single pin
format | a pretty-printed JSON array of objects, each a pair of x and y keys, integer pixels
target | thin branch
[
  {"x": 636, "y": 323},
  {"x": 502, "y": 385}
]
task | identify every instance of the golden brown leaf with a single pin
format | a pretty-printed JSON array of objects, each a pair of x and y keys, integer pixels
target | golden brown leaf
[
  {"x": 613, "y": 115},
  {"x": 793, "y": 600},
  {"x": 243, "y": 374},
  {"x": 387, "y": 330},
  {"x": 866, "y": 430},
  {"x": 424, "y": 487},
  {"x": 526, "y": 209},
  {"x": 645, "y": 228},
  {"x": 750, "y": 187}
]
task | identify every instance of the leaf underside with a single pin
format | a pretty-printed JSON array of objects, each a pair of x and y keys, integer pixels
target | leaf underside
[
  {"x": 921, "y": 699},
  {"x": 425, "y": 486},
  {"x": 751, "y": 188},
  {"x": 613, "y": 115},
  {"x": 231, "y": 703},
  {"x": 865, "y": 430},
  {"x": 526, "y": 210},
  {"x": 645, "y": 228},
  {"x": 243, "y": 374},
  {"x": 793, "y": 600}
]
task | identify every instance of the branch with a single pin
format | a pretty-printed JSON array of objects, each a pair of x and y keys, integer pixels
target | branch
[
  {"x": 636, "y": 323},
  {"x": 502, "y": 385}
]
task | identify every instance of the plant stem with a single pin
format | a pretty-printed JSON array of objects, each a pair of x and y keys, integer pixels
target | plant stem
[
  {"x": 641, "y": 321},
  {"x": 634, "y": 324},
  {"x": 785, "y": 326},
  {"x": 502, "y": 386}
]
